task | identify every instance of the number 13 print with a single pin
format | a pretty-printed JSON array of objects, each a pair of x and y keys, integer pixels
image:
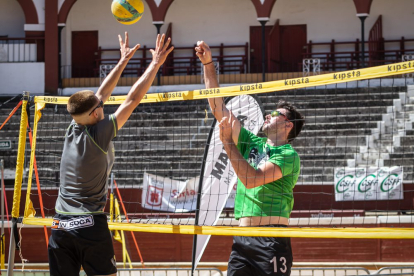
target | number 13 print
[{"x": 283, "y": 269}]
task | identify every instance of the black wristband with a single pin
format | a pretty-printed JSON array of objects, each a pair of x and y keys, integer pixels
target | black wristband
[{"x": 207, "y": 63}]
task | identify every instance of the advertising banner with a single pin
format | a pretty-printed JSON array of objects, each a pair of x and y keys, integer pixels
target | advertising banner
[
  {"x": 359, "y": 184},
  {"x": 219, "y": 179},
  {"x": 165, "y": 194}
]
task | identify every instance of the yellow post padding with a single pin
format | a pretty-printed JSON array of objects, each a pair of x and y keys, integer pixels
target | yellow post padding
[
  {"x": 335, "y": 233},
  {"x": 111, "y": 207},
  {"x": 20, "y": 160},
  {"x": 38, "y": 114},
  {"x": 263, "y": 87},
  {"x": 3, "y": 251},
  {"x": 125, "y": 254}
]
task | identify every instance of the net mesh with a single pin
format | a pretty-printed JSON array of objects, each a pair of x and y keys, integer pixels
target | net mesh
[{"x": 361, "y": 130}]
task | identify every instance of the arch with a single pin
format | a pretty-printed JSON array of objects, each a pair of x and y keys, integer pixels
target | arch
[
  {"x": 263, "y": 7},
  {"x": 64, "y": 10},
  {"x": 159, "y": 12},
  {"x": 30, "y": 12}
]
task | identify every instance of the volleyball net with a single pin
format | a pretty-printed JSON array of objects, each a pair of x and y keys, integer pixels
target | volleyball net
[{"x": 356, "y": 155}]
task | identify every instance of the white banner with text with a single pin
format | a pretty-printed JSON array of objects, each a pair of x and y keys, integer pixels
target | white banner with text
[
  {"x": 360, "y": 184},
  {"x": 165, "y": 194}
]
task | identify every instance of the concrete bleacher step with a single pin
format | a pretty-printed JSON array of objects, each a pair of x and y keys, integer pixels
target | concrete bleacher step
[
  {"x": 407, "y": 140},
  {"x": 167, "y": 152},
  {"x": 195, "y": 163},
  {"x": 399, "y": 161},
  {"x": 182, "y": 165},
  {"x": 340, "y": 125},
  {"x": 323, "y": 155},
  {"x": 163, "y": 136},
  {"x": 409, "y": 107},
  {"x": 331, "y": 141},
  {"x": 333, "y": 97},
  {"x": 336, "y": 132},
  {"x": 343, "y": 118},
  {"x": 337, "y": 104},
  {"x": 403, "y": 149},
  {"x": 410, "y": 132},
  {"x": 191, "y": 161},
  {"x": 403, "y": 155},
  {"x": 328, "y": 150},
  {"x": 331, "y": 128},
  {"x": 335, "y": 91},
  {"x": 343, "y": 111},
  {"x": 324, "y": 163},
  {"x": 164, "y": 172}
]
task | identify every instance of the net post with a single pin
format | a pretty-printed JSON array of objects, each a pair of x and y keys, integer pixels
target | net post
[
  {"x": 20, "y": 158},
  {"x": 111, "y": 200},
  {"x": 18, "y": 180},
  {"x": 28, "y": 209}
]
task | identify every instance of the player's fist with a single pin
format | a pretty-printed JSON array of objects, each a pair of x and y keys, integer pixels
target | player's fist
[{"x": 203, "y": 52}]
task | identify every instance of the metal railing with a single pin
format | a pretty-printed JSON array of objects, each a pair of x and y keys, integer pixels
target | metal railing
[
  {"x": 232, "y": 59},
  {"x": 132, "y": 272},
  {"x": 296, "y": 271},
  {"x": 346, "y": 55},
  {"x": 170, "y": 272},
  {"x": 329, "y": 271},
  {"x": 29, "y": 49},
  {"x": 401, "y": 270}
]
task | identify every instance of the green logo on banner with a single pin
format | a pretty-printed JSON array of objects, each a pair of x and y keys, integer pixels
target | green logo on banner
[
  {"x": 389, "y": 182},
  {"x": 367, "y": 183},
  {"x": 344, "y": 184}
]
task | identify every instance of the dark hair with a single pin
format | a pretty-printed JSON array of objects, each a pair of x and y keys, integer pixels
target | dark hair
[
  {"x": 295, "y": 117},
  {"x": 81, "y": 102}
]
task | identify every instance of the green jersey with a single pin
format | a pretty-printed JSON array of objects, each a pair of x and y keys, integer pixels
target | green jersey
[{"x": 274, "y": 198}]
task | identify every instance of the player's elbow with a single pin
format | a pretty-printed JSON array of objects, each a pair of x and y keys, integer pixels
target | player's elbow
[
  {"x": 252, "y": 181},
  {"x": 260, "y": 179}
]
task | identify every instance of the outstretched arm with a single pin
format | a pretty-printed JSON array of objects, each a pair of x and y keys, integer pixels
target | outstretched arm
[
  {"x": 108, "y": 85},
  {"x": 248, "y": 175},
  {"x": 141, "y": 86},
  {"x": 217, "y": 106}
]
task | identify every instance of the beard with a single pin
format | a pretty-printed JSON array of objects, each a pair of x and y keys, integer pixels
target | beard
[{"x": 265, "y": 129}]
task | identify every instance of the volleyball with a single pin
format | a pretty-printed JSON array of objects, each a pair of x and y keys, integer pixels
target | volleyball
[{"x": 127, "y": 11}]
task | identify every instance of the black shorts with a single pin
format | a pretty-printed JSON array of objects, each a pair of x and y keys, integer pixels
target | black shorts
[
  {"x": 258, "y": 256},
  {"x": 81, "y": 241}
]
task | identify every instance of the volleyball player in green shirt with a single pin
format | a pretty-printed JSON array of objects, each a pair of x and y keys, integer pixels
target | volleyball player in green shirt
[{"x": 267, "y": 169}]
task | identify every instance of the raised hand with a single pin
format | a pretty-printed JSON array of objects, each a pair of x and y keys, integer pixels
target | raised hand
[
  {"x": 159, "y": 55},
  {"x": 203, "y": 52},
  {"x": 126, "y": 52},
  {"x": 226, "y": 128}
]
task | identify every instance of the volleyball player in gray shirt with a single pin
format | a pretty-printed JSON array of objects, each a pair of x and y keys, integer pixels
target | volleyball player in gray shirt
[{"x": 80, "y": 234}]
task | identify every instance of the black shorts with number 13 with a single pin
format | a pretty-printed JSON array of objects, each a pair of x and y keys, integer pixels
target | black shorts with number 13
[{"x": 260, "y": 256}]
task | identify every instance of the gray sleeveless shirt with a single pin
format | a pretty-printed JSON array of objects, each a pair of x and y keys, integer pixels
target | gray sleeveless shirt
[{"x": 87, "y": 159}]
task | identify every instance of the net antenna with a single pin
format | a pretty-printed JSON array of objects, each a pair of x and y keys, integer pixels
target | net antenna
[{"x": 311, "y": 65}]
